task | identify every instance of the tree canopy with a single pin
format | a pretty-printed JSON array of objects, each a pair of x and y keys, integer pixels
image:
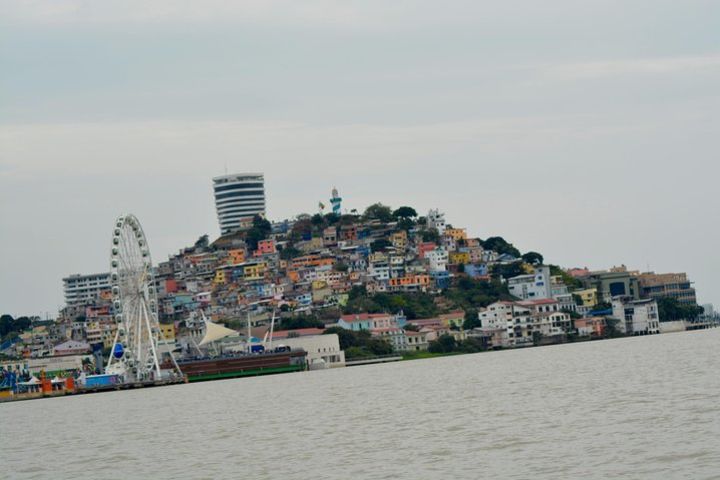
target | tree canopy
[
  {"x": 260, "y": 230},
  {"x": 498, "y": 244},
  {"x": 470, "y": 294},
  {"x": 360, "y": 344},
  {"x": 405, "y": 212},
  {"x": 414, "y": 305},
  {"x": 533, "y": 258},
  {"x": 299, "y": 321},
  {"x": 8, "y": 325},
  {"x": 669, "y": 309},
  {"x": 380, "y": 212}
]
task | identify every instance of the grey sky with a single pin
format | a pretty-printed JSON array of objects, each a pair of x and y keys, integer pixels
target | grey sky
[{"x": 586, "y": 130}]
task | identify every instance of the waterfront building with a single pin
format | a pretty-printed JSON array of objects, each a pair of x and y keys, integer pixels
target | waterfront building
[
  {"x": 238, "y": 197},
  {"x": 636, "y": 317},
  {"x": 663, "y": 285},
  {"x": 83, "y": 290},
  {"x": 318, "y": 347},
  {"x": 417, "y": 341},
  {"x": 614, "y": 283},
  {"x": 590, "y": 327},
  {"x": 394, "y": 335}
]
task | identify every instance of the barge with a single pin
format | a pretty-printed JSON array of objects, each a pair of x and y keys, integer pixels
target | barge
[{"x": 247, "y": 365}]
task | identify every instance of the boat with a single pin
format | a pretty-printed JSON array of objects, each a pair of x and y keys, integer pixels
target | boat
[
  {"x": 281, "y": 360},
  {"x": 253, "y": 359}
]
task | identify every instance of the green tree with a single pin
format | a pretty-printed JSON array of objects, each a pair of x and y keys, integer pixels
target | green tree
[
  {"x": 611, "y": 328},
  {"x": 498, "y": 244},
  {"x": 508, "y": 270},
  {"x": 332, "y": 218},
  {"x": 405, "y": 212},
  {"x": 380, "y": 244},
  {"x": 260, "y": 230},
  {"x": 11, "y": 327},
  {"x": 571, "y": 282},
  {"x": 380, "y": 212},
  {"x": 318, "y": 221},
  {"x": 533, "y": 258},
  {"x": 299, "y": 321},
  {"x": 202, "y": 242},
  {"x": 347, "y": 337},
  {"x": 472, "y": 320},
  {"x": 669, "y": 309},
  {"x": 289, "y": 252},
  {"x": 470, "y": 294},
  {"x": 444, "y": 344},
  {"x": 406, "y": 224},
  {"x": 431, "y": 235}
]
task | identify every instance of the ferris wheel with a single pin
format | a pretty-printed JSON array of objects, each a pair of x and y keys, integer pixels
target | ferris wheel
[{"x": 135, "y": 349}]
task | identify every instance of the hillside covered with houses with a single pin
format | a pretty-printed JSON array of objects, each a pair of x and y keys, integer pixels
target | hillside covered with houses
[{"x": 386, "y": 281}]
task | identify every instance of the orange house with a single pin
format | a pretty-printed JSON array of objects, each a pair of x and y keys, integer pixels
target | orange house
[
  {"x": 236, "y": 256},
  {"x": 411, "y": 281},
  {"x": 266, "y": 247}
]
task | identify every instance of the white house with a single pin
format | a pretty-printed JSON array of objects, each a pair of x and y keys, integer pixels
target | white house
[
  {"x": 532, "y": 286},
  {"x": 637, "y": 317},
  {"x": 436, "y": 219},
  {"x": 437, "y": 259}
]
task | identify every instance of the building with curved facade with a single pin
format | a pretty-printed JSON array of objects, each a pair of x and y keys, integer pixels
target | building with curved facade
[{"x": 238, "y": 197}]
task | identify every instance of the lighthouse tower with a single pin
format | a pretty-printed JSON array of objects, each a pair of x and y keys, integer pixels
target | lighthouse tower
[{"x": 336, "y": 201}]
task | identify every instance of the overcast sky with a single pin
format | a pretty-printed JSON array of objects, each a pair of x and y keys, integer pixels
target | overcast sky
[{"x": 586, "y": 130}]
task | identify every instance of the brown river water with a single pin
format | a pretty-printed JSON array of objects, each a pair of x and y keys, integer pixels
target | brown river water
[{"x": 646, "y": 407}]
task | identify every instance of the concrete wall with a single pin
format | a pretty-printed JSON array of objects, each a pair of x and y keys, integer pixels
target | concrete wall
[{"x": 671, "y": 327}]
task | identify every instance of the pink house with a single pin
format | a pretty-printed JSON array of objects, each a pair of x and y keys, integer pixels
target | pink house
[{"x": 265, "y": 247}]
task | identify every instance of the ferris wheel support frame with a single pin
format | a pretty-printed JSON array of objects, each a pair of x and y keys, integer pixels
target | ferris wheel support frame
[{"x": 134, "y": 303}]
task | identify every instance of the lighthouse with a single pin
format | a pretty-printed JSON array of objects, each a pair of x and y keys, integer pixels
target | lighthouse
[{"x": 336, "y": 201}]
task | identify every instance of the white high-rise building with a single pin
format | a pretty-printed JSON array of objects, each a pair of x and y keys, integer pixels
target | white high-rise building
[
  {"x": 83, "y": 289},
  {"x": 238, "y": 197}
]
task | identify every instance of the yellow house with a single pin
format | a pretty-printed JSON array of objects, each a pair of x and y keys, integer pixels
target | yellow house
[
  {"x": 456, "y": 233},
  {"x": 220, "y": 277},
  {"x": 108, "y": 334},
  {"x": 255, "y": 271},
  {"x": 167, "y": 331},
  {"x": 399, "y": 240},
  {"x": 459, "y": 258},
  {"x": 453, "y": 319},
  {"x": 588, "y": 296},
  {"x": 319, "y": 284}
]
